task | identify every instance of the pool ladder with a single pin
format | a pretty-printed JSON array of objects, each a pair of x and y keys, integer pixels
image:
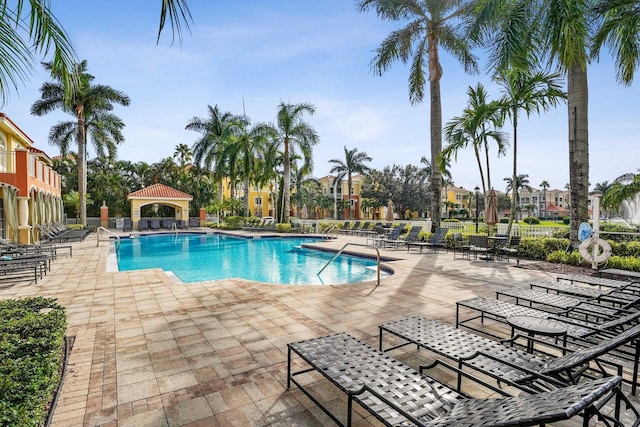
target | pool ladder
[
  {"x": 354, "y": 244},
  {"x": 99, "y": 229}
]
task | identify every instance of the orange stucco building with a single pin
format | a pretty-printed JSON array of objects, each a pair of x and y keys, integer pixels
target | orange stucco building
[{"x": 30, "y": 189}]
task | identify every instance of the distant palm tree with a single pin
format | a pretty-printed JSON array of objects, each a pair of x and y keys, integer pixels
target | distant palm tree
[
  {"x": 354, "y": 163},
  {"x": 293, "y": 131},
  {"x": 183, "y": 154},
  {"x": 91, "y": 105},
  {"x": 478, "y": 124},
  {"x": 430, "y": 25},
  {"x": 545, "y": 186},
  {"x": 522, "y": 183},
  {"x": 209, "y": 149},
  {"x": 623, "y": 187},
  {"x": 528, "y": 92}
]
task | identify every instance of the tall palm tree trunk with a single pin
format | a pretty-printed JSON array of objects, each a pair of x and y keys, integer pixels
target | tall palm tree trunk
[
  {"x": 577, "y": 101},
  {"x": 514, "y": 178},
  {"x": 436, "y": 149},
  {"x": 286, "y": 185},
  {"x": 349, "y": 195},
  {"x": 82, "y": 166}
]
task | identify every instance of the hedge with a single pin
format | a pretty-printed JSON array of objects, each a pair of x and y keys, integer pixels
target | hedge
[{"x": 32, "y": 332}]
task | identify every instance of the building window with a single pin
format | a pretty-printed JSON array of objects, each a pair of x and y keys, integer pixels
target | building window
[
  {"x": 257, "y": 200},
  {"x": 3, "y": 154}
]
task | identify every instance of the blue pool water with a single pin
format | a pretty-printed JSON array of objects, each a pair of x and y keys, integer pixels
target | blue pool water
[{"x": 200, "y": 257}]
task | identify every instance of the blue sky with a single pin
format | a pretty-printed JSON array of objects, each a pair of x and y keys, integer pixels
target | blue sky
[{"x": 261, "y": 53}]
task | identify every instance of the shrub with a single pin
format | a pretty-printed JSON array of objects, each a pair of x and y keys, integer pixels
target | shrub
[
  {"x": 624, "y": 263},
  {"x": 564, "y": 257},
  {"x": 531, "y": 220},
  {"x": 283, "y": 228},
  {"x": 451, "y": 220},
  {"x": 541, "y": 247},
  {"x": 566, "y": 220},
  {"x": 233, "y": 223},
  {"x": 31, "y": 340}
]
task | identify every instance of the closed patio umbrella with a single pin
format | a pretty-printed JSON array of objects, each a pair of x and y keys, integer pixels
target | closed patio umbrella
[
  {"x": 389, "y": 217},
  {"x": 491, "y": 211}
]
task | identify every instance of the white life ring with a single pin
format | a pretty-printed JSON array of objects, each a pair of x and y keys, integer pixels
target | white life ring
[{"x": 601, "y": 247}]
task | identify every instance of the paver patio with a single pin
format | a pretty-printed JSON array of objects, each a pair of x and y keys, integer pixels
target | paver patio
[{"x": 150, "y": 352}]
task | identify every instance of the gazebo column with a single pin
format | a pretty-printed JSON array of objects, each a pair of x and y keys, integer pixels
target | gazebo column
[
  {"x": 104, "y": 215},
  {"x": 203, "y": 217}
]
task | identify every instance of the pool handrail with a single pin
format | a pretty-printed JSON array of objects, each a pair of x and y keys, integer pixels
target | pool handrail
[
  {"x": 99, "y": 229},
  {"x": 354, "y": 244}
]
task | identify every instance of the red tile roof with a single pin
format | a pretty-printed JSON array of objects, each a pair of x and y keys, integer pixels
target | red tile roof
[
  {"x": 159, "y": 191},
  {"x": 555, "y": 208}
]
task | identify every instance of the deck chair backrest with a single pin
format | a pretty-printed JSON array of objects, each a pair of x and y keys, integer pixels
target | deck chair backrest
[
  {"x": 395, "y": 233},
  {"x": 439, "y": 234},
  {"x": 478, "y": 240},
  {"x": 414, "y": 233},
  {"x": 587, "y": 354},
  {"x": 514, "y": 242}
]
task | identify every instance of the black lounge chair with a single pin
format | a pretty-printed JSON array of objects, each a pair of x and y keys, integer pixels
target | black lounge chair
[
  {"x": 600, "y": 282},
  {"x": 624, "y": 294},
  {"x": 500, "y": 311},
  {"x": 127, "y": 225},
  {"x": 396, "y": 394},
  {"x": 599, "y": 308},
  {"x": 23, "y": 267},
  {"x": 51, "y": 249},
  {"x": 478, "y": 245},
  {"x": 194, "y": 222},
  {"x": 154, "y": 224},
  {"x": 526, "y": 371},
  {"x": 436, "y": 241},
  {"x": 511, "y": 249},
  {"x": 412, "y": 236},
  {"x": 143, "y": 225},
  {"x": 393, "y": 235}
]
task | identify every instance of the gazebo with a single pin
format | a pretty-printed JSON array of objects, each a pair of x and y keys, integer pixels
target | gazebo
[{"x": 159, "y": 194}]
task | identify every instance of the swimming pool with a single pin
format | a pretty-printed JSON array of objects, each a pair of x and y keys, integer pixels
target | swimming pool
[{"x": 200, "y": 257}]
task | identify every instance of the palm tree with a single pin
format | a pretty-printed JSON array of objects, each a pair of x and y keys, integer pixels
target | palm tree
[
  {"x": 91, "y": 104},
  {"x": 431, "y": 25},
  {"x": 354, "y": 163},
  {"x": 44, "y": 34},
  {"x": 209, "y": 149},
  {"x": 477, "y": 125},
  {"x": 519, "y": 33},
  {"x": 623, "y": 187},
  {"x": 183, "y": 154},
  {"x": 619, "y": 31},
  {"x": 241, "y": 151},
  {"x": 521, "y": 183},
  {"x": 529, "y": 92},
  {"x": 292, "y": 132},
  {"x": 545, "y": 186}
]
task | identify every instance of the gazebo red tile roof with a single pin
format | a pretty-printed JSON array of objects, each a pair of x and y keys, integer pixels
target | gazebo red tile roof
[{"x": 159, "y": 191}]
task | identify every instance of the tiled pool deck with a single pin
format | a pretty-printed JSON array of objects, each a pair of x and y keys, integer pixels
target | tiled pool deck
[{"x": 150, "y": 352}]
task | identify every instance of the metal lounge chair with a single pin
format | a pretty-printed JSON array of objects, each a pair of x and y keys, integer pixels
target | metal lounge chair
[
  {"x": 511, "y": 249},
  {"x": 396, "y": 394},
  {"x": 154, "y": 225},
  {"x": 600, "y": 308},
  {"x": 393, "y": 235},
  {"x": 499, "y": 311},
  {"x": 436, "y": 241},
  {"x": 624, "y": 294},
  {"x": 143, "y": 225},
  {"x": 600, "y": 282},
  {"x": 524, "y": 370},
  {"x": 412, "y": 236},
  {"x": 478, "y": 244}
]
